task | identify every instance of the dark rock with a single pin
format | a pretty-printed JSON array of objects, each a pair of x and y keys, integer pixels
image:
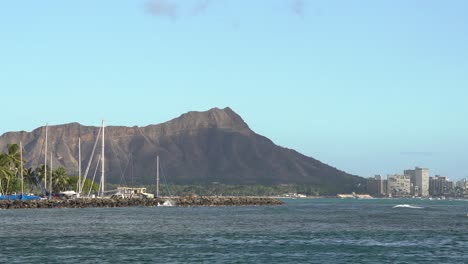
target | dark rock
[{"x": 182, "y": 201}]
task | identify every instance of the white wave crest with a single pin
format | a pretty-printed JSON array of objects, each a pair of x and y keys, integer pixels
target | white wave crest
[{"x": 407, "y": 206}]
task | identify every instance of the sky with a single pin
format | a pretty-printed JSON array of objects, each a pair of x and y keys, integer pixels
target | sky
[{"x": 370, "y": 87}]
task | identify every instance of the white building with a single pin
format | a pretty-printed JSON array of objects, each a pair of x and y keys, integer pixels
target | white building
[
  {"x": 412, "y": 175},
  {"x": 419, "y": 180},
  {"x": 398, "y": 185},
  {"x": 461, "y": 188},
  {"x": 422, "y": 181},
  {"x": 463, "y": 183}
]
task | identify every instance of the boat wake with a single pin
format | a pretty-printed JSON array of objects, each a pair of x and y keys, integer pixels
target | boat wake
[
  {"x": 407, "y": 206},
  {"x": 167, "y": 203}
]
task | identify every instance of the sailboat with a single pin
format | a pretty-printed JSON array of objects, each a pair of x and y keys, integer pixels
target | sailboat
[
  {"x": 168, "y": 202},
  {"x": 132, "y": 192},
  {"x": 75, "y": 194},
  {"x": 101, "y": 160}
]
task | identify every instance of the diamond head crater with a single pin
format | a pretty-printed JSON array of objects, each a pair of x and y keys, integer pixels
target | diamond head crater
[{"x": 209, "y": 153}]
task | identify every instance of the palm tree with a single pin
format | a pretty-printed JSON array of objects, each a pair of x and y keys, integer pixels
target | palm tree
[
  {"x": 10, "y": 163},
  {"x": 14, "y": 156},
  {"x": 29, "y": 178},
  {"x": 40, "y": 172},
  {"x": 40, "y": 175},
  {"x": 5, "y": 172},
  {"x": 60, "y": 180}
]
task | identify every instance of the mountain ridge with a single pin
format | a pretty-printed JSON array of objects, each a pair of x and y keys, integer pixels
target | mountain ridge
[{"x": 196, "y": 148}]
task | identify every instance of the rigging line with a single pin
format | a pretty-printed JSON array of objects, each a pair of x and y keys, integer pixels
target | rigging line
[
  {"x": 122, "y": 178},
  {"x": 155, "y": 142},
  {"x": 99, "y": 189},
  {"x": 167, "y": 186},
  {"x": 165, "y": 180},
  {"x": 79, "y": 159},
  {"x": 122, "y": 173},
  {"x": 152, "y": 168},
  {"x": 147, "y": 138},
  {"x": 91, "y": 158},
  {"x": 42, "y": 152},
  {"x": 155, "y": 167},
  {"x": 38, "y": 162},
  {"x": 94, "y": 176},
  {"x": 131, "y": 171}
]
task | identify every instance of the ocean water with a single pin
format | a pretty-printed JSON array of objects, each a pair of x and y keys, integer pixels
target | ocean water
[{"x": 302, "y": 231}]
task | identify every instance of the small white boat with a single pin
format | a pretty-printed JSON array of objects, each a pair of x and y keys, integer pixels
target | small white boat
[
  {"x": 130, "y": 192},
  {"x": 167, "y": 203},
  {"x": 69, "y": 194}
]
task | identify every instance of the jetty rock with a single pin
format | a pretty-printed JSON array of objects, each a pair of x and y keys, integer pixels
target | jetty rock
[{"x": 112, "y": 203}]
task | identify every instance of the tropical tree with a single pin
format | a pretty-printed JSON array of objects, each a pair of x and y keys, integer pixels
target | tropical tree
[
  {"x": 13, "y": 155},
  {"x": 88, "y": 184},
  {"x": 60, "y": 180},
  {"x": 29, "y": 180},
  {"x": 41, "y": 172},
  {"x": 9, "y": 166},
  {"x": 5, "y": 172}
]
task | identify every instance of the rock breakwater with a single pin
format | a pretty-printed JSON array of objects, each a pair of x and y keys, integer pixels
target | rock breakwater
[
  {"x": 226, "y": 201},
  {"x": 104, "y": 202}
]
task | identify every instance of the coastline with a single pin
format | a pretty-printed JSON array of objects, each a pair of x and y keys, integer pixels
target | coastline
[{"x": 114, "y": 203}]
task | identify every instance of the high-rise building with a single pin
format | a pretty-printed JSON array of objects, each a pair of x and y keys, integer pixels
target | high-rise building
[
  {"x": 440, "y": 185},
  {"x": 398, "y": 185},
  {"x": 422, "y": 181},
  {"x": 463, "y": 183},
  {"x": 419, "y": 178},
  {"x": 462, "y": 187},
  {"x": 375, "y": 186},
  {"x": 412, "y": 175}
]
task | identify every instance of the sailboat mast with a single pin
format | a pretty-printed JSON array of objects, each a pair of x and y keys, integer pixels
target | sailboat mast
[
  {"x": 157, "y": 176},
  {"x": 21, "y": 168},
  {"x": 79, "y": 165},
  {"x": 45, "y": 159},
  {"x": 102, "y": 161},
  {"x": 50, "y": 178}
]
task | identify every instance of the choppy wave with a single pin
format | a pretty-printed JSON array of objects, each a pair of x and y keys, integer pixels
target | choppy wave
[
  {"x": 303, "y": 231},
  {"x": 408, "y": 206}
]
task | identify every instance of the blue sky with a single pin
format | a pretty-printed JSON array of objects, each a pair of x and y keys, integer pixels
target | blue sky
[{"x": 370, "y": 87}]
